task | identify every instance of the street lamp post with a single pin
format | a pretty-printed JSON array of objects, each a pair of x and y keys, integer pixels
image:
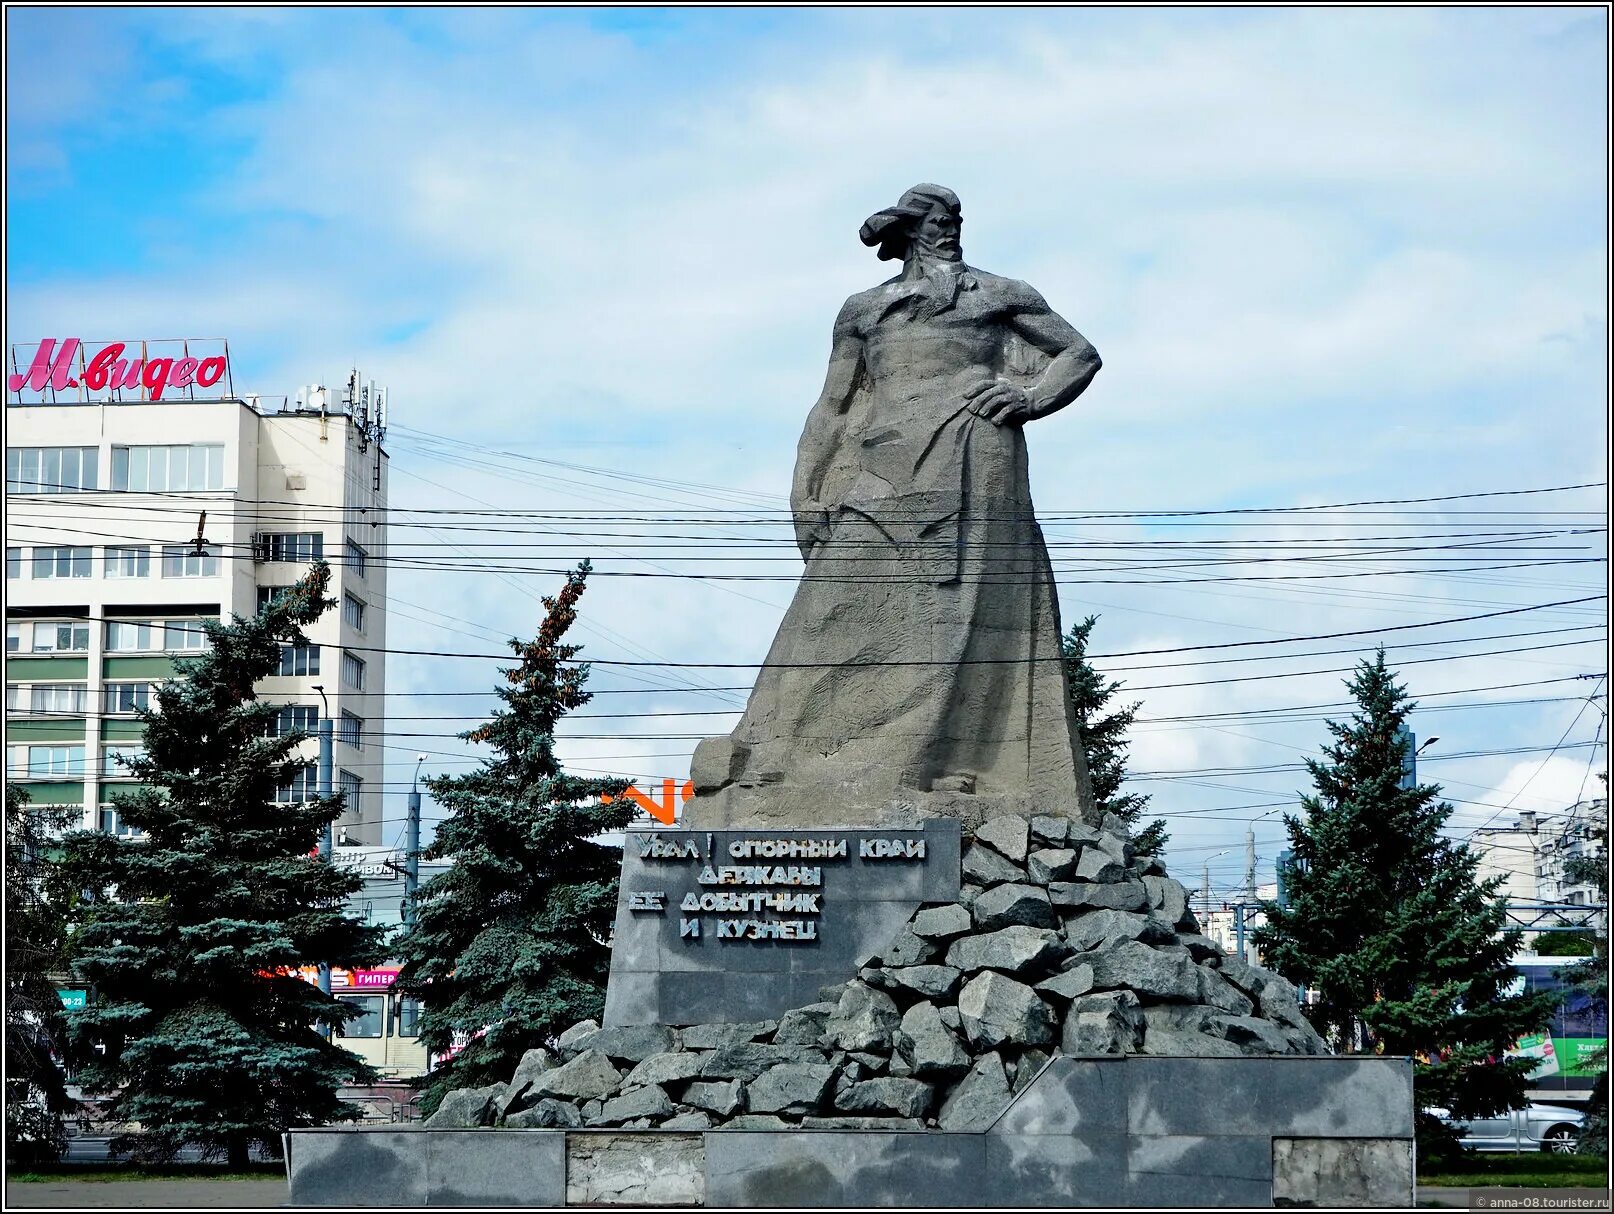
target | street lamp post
[
  {"x": 412, "y": 856},
  {"x": 324, "y": 791}
]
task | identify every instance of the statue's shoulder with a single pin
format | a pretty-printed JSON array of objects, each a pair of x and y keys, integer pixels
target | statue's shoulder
[
  {"x": 1009, "y": 293},
  {"x": 862, "y": 309}
]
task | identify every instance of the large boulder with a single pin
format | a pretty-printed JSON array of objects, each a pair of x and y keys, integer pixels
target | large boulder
[
  {"x": 925, "y": 981},
  {"x": 1014, "y": 950},
  {"x": 1179, "y": 1044},
  {"x": 566, "y": 1043},
  {"x": 718, "y": 1036},
  {"x": 1008, "y": 836},
  {"x": 790, "y": 1088},
  {"x": 1013, "y": 903},
  {"x": 1103, "y": 929},
  {"x": 864, "y": 1019},
  {"x": 1216, "y": 991},
  {"x": 648, "y": 1102},
  {"x": 998, "y": 1010},
  {"x": 908, "y": 949},
  {"x": 985, "y": 867},
  {"x": 1099, "y": 865},
  {"x": 1154, "y": 974},
  {"x": 927, "y": 1047},
  {"x": 979, "y": 1098},
  {"x": 1102, "y": 1024},
  {"x": 942, "y": 922},
  {"x": 750, "y": 1059},
  {"x": 1252, "y": 1034},
  {"x": 534, "y": 1062},
  {"x": 467, "y": 1108},
  {"x": 723, "y": 1099},
  {"x": 589, "y": 1076},
  {"x": 665, "y": 1068},
  {"x": 544, "y": 1115},
  {"x": 632, "y": 1043},
  {"x": 803, "y": 1025},
  {"x": 899, "y": 1097},
  {"x": 1050, "y": 831},
  {"x": 1079, "y": 895},
  {"x": 1051, "y": 864},
  {"x": 1168, "y": 897},
  {"x": 1068, "y": 985}
]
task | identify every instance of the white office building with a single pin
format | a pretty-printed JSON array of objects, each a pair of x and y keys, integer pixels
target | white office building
[{"x": 129, "y": 520}]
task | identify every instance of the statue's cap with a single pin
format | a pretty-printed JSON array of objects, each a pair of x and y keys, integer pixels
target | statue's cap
[{"x": 889, "y": 228}]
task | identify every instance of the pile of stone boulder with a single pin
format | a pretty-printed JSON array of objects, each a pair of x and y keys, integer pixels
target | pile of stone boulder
[{"x": 1062, "y": 941}]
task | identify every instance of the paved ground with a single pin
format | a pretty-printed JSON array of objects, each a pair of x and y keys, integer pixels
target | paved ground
[
  {"x": 135, "y": 1194},
  {"x": 1450, "y": 1199}
]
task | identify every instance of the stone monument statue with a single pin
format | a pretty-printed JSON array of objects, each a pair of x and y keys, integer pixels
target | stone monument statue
[{"x": 918, "y": 672}]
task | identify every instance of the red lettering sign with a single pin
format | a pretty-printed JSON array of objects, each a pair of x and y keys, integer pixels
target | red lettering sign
[{"x": 61, "y": 366}]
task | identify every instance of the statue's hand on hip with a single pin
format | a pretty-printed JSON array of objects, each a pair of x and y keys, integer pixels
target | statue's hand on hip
[{"x": 1000, "y": 402}]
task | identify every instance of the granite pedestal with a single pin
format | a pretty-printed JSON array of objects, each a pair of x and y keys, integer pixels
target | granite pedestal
[{"x": 1187, "y": 1133}]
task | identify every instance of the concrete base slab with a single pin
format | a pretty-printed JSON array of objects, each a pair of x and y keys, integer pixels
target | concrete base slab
[{"x": 1188, "y": 1133}]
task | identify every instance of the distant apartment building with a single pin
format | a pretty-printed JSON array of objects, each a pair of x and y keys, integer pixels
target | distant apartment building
[
  {"x": 1530, "y": 855},
  {"x": 132, "y": 515}
]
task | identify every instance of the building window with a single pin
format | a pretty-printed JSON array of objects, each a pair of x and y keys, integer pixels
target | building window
[
  {"x": 182, "y": 560},
  {"x": 131, "y": 636},
  {"x": 128, "y": 562},
  {"x": 51, "y": 469},
  {"x": 180, "y": 635},
  {"x": 353, "y": 671},
  {"x": 356, "y": 558},
  {"x": 408, "y": 1016},
  {"x": 111, "y": 766},
  {"x": 299, "y": 660},
  {"x": 56, "y": 762},
  {"x": 351, "y": 729},
  {"x": 302, "y": 786},
  {"x": 58, "y": 699},
  {"x": 127, "y": 697},
  {"x": 350, "y": 786},
  {"x": 14, "y": 637},
  {"x": 299, "y": 546},
  {"x": 168, "y": 469},
  {"x": 353, "y": 613},
  {"x": 61, "y": 562},
  {"x": 294, "y": 718},
  {"x": 51, "y": 637},
  {"x": 112, "y": 824},
  {"x": 13, "y": 564},
  {"x": 266, "y": 593},
  {"x": 368, "y": 1022}
]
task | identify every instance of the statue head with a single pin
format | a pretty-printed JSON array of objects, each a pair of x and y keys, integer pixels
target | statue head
[{"x": 926, "y": 222}]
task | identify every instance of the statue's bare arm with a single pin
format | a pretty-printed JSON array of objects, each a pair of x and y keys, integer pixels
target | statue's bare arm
[
  {"x": 826, "y": 424},
  {"x": 1074, "y": 363}
]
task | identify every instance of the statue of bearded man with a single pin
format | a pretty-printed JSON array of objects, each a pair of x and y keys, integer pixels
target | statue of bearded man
[{"x": 918, "y": 672}]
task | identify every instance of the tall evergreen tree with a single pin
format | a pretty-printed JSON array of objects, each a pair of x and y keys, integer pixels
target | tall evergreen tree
[
  {"x": 36, "y": 938},
  {"x": 1388, "y": 921},
  {"x": 195, "y": 927},
  {"x": 1104, "y": 736},
  {"x": 509, "y": 944}
]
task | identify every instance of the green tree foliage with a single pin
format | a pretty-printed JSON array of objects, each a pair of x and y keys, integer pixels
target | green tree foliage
[
  {"x": 1104, "y": 737},
  {"x": 194, "y": 928},
  {"x": 36, "y": 938},
  {"x": 509, "y": 944},
  {"x": 1389, "y": 923}
]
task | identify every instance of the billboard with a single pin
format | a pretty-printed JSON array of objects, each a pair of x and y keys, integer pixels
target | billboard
[
  {"x": 69, "y": 370},
  {"x": 1576, "y": 1032}
]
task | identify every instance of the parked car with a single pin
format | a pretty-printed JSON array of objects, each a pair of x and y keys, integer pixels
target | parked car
[{"x": 1547, "y": 1127}]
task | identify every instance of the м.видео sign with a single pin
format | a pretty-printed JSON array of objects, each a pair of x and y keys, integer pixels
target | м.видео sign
[{"x": 41, "y": 372}]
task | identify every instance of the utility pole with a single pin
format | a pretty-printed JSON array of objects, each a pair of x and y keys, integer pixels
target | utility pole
[
  {"x": 412, "y": 856},
  {"x": 324, "y": 791}
]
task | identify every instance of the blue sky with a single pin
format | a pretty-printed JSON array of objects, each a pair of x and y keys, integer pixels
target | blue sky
[{"x": 1327, "y": 255}]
